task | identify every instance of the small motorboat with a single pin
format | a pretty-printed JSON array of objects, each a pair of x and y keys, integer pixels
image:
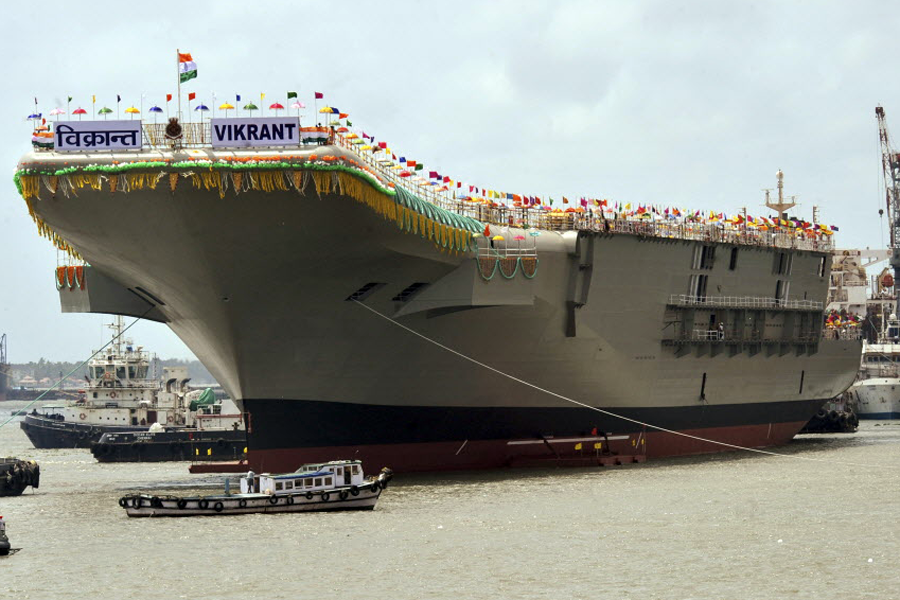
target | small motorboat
[{"x": 334, "y": 485}]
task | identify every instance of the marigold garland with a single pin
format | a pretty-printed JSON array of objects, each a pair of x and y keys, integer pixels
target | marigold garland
[{"x": 262, "y": 173}]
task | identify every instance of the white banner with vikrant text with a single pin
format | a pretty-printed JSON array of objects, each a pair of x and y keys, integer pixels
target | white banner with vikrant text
[
  {"x": 88, "y": 136},
  {"x": 255, "y": 132}
]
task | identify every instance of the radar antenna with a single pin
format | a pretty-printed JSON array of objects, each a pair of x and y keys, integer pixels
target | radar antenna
[{"x": 890, "y": 164}]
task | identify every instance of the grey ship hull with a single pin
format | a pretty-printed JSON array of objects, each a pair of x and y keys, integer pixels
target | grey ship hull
[{"x": 256, "y": 284}]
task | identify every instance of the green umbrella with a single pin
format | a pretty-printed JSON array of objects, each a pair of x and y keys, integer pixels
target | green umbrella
[
  {"x": 251, "y": 107},
  {"x": 104, "y": 111}
]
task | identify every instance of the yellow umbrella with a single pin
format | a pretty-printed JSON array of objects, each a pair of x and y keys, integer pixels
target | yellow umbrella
[
  {"x": 226, "y": 106},
  {"x": 132, "y": 110},
  {"x": 498, "y": 238}
]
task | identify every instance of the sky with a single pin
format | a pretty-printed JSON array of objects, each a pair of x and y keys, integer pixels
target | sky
[{"x": 688, "y": 104}]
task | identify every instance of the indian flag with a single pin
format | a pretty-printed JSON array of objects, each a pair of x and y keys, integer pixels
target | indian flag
[{"x": 187, "y": 68}]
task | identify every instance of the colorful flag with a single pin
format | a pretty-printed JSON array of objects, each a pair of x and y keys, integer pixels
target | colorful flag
[
  {"x": 70, "y": 98},
  {"x": 237, "y": 97},
  {"x": 289, "y": 96},
  {"x": 187, "y": 68},
  {"x": 409, "y": 163},
  {"x": 168, "y": 97},
  {"x": 418, "y": 167},
  {"x": 93, "y": 99},
  {"x": 343, "y": 115},
  {"x": 191, "y": 96},
  {"x": 565, "y": 200},
  {"x": 118, "y": 98},
  {"x": 319, "y": 95},
  {"x": 262, "y": 96}
]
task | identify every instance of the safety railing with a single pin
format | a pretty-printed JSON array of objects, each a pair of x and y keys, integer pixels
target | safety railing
[
  {"x": 743, "y": 302},
  {"x": 538, "y": 218}
]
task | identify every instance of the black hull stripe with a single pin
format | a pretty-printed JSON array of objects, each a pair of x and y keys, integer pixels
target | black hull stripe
[{"x": 280, "y": 424}]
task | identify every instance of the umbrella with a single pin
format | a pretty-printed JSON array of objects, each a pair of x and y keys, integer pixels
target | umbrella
[
  {"x": 57, "y": 111},
  {"x": 132, "y": 111},
  {"x": 226, "y": 107},
  {"x": 104, "y": 111},
  {"x": 201, "y": 107},
  {"x": 42, "y": 128},
  {"x": 498, "y": 238},
  {"x": 79, "y": 111},
  {"x": 298, "y": 105},
  {"x": 276, "y": 106},
  {"x": 342, "y": 130},
  {"x": 33, "y": 117},
  {"x": 154, "y": 110},
  {"x": 251, "y": 107},
  {"x": 329, "y": 110}
]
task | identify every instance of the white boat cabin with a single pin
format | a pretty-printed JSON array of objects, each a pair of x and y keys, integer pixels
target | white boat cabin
[{"x": 308, "y": 478}]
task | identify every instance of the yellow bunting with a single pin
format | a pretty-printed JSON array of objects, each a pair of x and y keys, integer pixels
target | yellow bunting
[
  {"x": 578, "y": 446},
  {"x": 598, "y": 445}
]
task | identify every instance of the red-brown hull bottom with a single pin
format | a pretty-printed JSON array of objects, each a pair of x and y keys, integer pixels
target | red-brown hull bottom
[{"x": 492, "y": 454}]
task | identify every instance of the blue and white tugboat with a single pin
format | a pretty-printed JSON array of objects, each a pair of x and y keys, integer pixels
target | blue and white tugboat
[{"x": 334, "y": 485}]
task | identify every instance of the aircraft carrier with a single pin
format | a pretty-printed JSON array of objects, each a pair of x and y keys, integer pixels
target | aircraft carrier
[{"x": 313, "y": 281}]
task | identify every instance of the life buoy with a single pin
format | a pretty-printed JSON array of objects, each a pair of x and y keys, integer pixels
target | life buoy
[
  {"x": 82, "y": 416},
  {"x": 136, "y": 502},
  {"x": 112, "y": 394},
  {"x": 123, "y": 502},
  {"x": 221, "y": 443},
  {"x": 344, "y": 494},
  {"x": 242, "y": 503},
  {"x": 309, "y": 495},
  {"x": 170, "y": 419},
  {"x": 375, "y": 487},
  {"x": 155, "y": 502},
  {"x": 203, "y": 504},
  {"x": 354, "y": 490},
  {"x": 289, "y": 499},
  {"x": 325, "y": 496},
  {"x": 182, "y": 503},
  {"x": 273, "y": 499},
  {"x": 218, "y": 506}
]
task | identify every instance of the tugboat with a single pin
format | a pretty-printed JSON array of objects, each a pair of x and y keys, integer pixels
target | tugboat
[
  {"x": 215, "y": 433},
  {"x": 122, "y": 395},
  {"x": 330, "y": 486},
  {"x": 16, "y": 475}
]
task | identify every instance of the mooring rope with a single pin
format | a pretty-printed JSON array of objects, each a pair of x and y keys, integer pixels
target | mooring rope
[
  {"x": 58, "y": 383},
  {"x": 600, "y": 410}
]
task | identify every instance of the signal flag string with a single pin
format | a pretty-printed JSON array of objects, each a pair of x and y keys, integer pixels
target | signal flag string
[
  {"x": 603, "y": 411},
  {"x": 58, "y": 383}
]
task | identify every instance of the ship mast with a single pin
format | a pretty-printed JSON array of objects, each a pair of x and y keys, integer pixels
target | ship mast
[
  {"x": 782, "y": 205},
  {"x": 890, "y": 163},
  {"x": 117, "y": 328}
]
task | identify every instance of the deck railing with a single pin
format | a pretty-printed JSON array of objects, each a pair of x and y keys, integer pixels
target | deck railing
[
  {"x": 198, "y": 135},
  {"x": 743, "y": 302},
  {"x": 528, "y": 217}
]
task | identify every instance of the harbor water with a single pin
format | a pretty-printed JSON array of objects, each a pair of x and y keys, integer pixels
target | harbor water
[{"x": 735, "y": 525}]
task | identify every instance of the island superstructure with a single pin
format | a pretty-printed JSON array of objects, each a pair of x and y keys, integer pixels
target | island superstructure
[{"x": 303, "y": 276}]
